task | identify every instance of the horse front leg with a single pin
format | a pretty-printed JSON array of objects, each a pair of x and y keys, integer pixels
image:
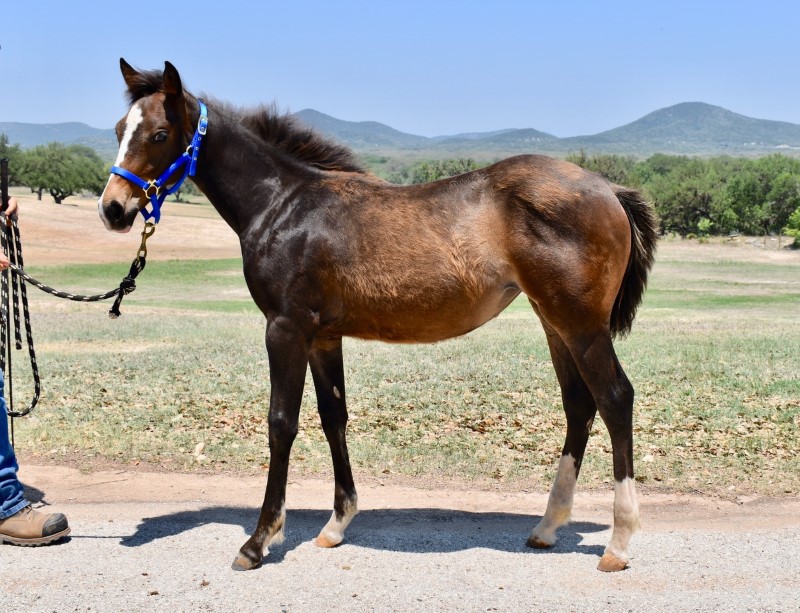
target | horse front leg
[
  {"x": 287, "y": 349},
  {"x": 327, "y": 369}
]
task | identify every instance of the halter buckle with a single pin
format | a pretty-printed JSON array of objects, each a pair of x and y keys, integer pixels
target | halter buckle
[
  {"x": 152, "y": 184},
  {"x": 147, "y": 232}
]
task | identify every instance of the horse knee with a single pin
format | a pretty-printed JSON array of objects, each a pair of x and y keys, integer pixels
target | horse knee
[{"x": 282, "y": 428}]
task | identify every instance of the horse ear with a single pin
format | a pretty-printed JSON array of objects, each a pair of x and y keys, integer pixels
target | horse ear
[
  {"x": 129, "y": 73},
  {"x": 172, "y": 80}
]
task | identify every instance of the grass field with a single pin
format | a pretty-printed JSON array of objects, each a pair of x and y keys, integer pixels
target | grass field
[{"x": 181, "y": 381}]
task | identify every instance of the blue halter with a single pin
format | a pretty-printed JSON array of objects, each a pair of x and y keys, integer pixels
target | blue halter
[{"x": 187, "y": 161}]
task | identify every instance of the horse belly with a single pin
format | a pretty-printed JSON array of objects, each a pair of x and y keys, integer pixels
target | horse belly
[{"x": 444, "y": 315}]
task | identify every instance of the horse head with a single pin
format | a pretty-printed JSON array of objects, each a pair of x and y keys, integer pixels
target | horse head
[{"x": 153, "y": 136}]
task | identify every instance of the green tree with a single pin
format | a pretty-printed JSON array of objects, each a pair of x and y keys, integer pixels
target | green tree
[
  {"x": 760, "y": 195},
  {"x": 13, "y": 153},
  {"x": 61, "y": 170},
  {"x": 188, "y": 188},
  {"x": 782, "y": 190},
  {"x": 793, "y": 228},
  {"x": 683, "y": 191}
]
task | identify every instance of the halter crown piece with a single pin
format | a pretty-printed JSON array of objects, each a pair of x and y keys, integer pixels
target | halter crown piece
[{"x": 157, "y": 189}]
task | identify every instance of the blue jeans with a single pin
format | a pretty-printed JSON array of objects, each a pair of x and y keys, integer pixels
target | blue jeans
[{"x": 11, "y": 498}]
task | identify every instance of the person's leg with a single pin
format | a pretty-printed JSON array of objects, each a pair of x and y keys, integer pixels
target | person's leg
[
  {"x": 20, "y": 524},
  {"x": 12, "y": 499}
]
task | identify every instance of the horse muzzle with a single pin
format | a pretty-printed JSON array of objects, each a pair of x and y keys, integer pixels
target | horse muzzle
[{"x": 116, "y": 216}]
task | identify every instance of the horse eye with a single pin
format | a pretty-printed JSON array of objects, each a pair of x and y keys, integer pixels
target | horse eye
[{"x": 160, "y": 136}]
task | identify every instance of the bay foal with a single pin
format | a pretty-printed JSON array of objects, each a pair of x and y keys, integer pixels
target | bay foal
[{"x": 330, "y": 250}]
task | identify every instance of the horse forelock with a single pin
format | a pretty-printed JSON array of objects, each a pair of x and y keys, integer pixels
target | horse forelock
[{"x": 143, "y": 84}]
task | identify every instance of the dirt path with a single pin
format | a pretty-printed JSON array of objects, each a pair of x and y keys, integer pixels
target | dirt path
[{"x": 164, "y": 542}]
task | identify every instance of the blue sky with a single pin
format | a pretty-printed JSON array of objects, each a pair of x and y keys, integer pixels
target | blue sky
[{"x": 429, "y": 68}]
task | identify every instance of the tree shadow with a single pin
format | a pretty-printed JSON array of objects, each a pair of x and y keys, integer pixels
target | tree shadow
[{"x": 401, "y": 530}]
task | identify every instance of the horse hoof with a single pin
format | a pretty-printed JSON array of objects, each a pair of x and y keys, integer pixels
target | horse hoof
[
  {"x": 326, "y": 542},
  {"x": 610, "y": 563},
  {"x": 537, "y": 543},
  {"x": 242, "y": 562}
]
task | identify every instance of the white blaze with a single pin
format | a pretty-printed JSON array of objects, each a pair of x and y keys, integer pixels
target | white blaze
[{"x": 132, "y": 122}]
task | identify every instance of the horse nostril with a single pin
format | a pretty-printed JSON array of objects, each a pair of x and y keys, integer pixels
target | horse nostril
[{"x": 114, "y": 211}]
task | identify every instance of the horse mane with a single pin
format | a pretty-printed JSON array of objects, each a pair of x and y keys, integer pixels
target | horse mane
[
  {"x": 297, "y": 140},
  {"x": 281, "y": 130}
]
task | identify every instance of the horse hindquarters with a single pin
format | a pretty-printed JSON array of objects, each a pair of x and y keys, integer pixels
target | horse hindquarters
[{"x": 583, "y": 264}]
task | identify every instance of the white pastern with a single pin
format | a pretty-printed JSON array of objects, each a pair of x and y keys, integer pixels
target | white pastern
[
  {"x": 333, "y": 532},
  {"x": 626, "y": 518},
  {"x": 275, "y": 533},
  {"x": 559, "y": 505}
]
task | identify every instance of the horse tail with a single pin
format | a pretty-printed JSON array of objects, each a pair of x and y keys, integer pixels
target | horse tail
[{"x": 644, "y": 235}]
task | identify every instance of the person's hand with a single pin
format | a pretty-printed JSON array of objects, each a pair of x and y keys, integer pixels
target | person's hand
[{"x": 12, "y": 208}]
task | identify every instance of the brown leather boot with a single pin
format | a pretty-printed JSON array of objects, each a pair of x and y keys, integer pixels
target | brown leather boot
[{"x": 30, "y": 527}]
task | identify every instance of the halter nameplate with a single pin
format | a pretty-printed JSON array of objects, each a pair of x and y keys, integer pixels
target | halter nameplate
[{"x": 156, "y": 189}]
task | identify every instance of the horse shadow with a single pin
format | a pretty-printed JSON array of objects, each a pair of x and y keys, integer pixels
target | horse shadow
[{"x": 410, "y": 530}]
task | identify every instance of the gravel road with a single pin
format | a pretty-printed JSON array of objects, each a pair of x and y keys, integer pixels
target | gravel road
[{"x": 165, "y": 542}]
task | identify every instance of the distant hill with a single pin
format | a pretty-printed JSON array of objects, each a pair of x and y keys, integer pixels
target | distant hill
[
  {"x": 71, "y": 133},
  {"x": 527, "y": 138},
  {"x": 695, "y": 127},
  {"x": 361, "y": 134},
  {"x": 687, "y": 128}
]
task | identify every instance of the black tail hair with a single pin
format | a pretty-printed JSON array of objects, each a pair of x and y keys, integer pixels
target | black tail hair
[{"x": 644, "y": 235}]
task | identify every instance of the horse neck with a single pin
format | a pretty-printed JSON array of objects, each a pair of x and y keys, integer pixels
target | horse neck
[{"x": 241, "y": 175}]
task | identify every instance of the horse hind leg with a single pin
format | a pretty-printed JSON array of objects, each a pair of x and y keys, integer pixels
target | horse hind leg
[
  {"x": 580, "y": 410},
  {"x": 613, "y": 394},
  {"x": 327, "y": 369}
]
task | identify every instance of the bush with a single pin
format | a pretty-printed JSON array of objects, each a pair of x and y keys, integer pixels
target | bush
[{"x": 793, "y": 228}]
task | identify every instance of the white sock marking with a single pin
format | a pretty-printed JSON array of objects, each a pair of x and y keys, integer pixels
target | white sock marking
[
  {"x": 626, "y": 518},
  {"x": 333, "y": 532},
  {"x": 559, "y": 505}
]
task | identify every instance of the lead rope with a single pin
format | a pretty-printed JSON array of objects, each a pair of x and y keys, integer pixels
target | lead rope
[{"x": 12, "y": 247}]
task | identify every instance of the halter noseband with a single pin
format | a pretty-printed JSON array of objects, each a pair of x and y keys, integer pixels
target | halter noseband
[{"x": 156, "y": 189}]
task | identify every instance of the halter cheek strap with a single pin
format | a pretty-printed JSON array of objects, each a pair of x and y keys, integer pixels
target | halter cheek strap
[{"x": 156, "y": 189}]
